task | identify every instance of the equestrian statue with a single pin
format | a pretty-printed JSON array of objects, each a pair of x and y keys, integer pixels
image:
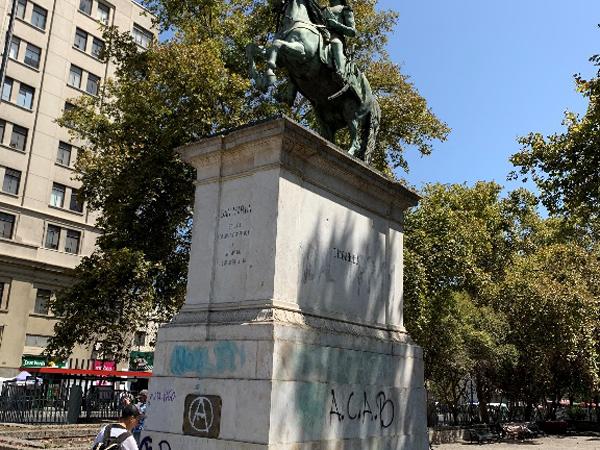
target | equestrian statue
[{"x": 311, "y": 45}]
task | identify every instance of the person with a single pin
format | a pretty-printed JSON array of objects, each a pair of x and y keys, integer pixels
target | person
[
  {"x": 141, "y": 406},
  {"x": 116, "y": 432},
  {"x": 339, "y": 19},
  {"x": 126, "y": 399}
]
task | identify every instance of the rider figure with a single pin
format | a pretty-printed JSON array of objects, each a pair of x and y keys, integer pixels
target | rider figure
[{"x": 339, "y": 19}]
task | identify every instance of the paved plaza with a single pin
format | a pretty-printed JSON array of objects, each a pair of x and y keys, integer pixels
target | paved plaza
[{"x": 553, "y": 443}]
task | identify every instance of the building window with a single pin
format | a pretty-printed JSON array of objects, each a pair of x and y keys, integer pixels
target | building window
[
  {"x": 52, "y": 237},
  {"x": 3, "y": 297},
  {"x": 7, "y": 89},
  {"x": 18, "y": 138},
  {"x": 42, "y": 302},
  {"x": 139, "y": 339},
  {"x": 15, "y": 43},
  {"x": 38, "y": 17},
  {"x": 63, "y": 157},
  {"x": 57, "y": 198},
  {"x": 32, "y": 55},
  {"x": 36, "y": 340},
  {"x": 75, "y": 204},
  {"x": 97, "y": 47},
  {"x": 75, "y": 76},
  {"x": 92, "y": 85},
  {"x": 2, "y": 128},
  {"x": 80, "y": 39},
  {"x": 21, "y": 7},
  {"x": 25, "y": 98},
  {"x": 12, "y": 179},
  {"x": 103, "y": 13},
  {"x": 7, "y": 225},
  {"x": 141, "y": 36},
  {"x": 72, "y": 241},
  {"x": 85, "y": 6}
]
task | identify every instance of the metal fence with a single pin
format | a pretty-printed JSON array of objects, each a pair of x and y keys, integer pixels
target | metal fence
[
  {"x": 68, "y": 401},
  {"x": 464, "y": 415}
]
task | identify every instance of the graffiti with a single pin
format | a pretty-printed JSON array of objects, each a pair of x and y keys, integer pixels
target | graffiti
[
  {"x": 346, "y": 256},
  {"x": 146, "y": 444},
  {"x": 202, "y": 415},
  {"x": 205, "y": 361},
  {"x": 166, "y": 396},
  {"x": 356, "y": 409}
]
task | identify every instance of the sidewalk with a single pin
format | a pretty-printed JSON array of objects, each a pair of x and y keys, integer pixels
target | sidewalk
[{"x": 552, "y": 443}]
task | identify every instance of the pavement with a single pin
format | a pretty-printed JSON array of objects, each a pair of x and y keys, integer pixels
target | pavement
[{"x": 550, "y": 443}]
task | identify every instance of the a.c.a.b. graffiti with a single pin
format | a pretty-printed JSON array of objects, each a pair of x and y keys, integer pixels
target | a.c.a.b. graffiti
[{"x": 354, "y": 408}]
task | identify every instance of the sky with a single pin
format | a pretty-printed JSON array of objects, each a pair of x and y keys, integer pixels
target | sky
[{"x": 492, "y": 70}]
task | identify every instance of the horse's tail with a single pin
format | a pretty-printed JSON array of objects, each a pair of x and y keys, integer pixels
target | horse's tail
[{"x": 370, "y": 131}]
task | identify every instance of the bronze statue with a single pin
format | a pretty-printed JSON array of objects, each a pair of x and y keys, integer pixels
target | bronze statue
[{"x": 310, "y": 44}]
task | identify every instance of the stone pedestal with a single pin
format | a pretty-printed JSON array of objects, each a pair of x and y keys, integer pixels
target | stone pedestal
[{"x": 291, "y": 336}]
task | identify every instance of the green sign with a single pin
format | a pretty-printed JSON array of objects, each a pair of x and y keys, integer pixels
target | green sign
[
  {"x": 36, "y": 362},
  {"x": 141, "y": 361}
]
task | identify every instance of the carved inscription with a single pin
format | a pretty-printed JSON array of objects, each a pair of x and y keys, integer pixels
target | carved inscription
[
  {"x": 202, "y": 416},
  {"x": 362, "y": 408},
  {"x": 234, "y": 232}
]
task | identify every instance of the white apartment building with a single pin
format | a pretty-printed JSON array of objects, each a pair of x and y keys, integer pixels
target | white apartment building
[{"x": 50, "y": 55}]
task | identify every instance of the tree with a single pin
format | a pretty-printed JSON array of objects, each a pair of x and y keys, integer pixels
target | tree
[
  {"x": 551, "y": 299},
  {"x": 459, "y": 241},
  {"x": 191, "y": 85},
  {"x": 565, "y": 165}
]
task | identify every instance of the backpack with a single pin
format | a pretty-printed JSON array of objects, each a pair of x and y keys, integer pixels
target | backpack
[{"x": 112, "y": 443}]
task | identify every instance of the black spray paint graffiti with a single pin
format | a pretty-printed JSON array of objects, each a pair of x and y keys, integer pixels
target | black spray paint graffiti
[
  {"x": 384, "y": 412},
  {"x": 146, "y": 444}
]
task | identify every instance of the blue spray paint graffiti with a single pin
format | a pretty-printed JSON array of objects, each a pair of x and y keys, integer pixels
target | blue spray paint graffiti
[{"x": 208, "y": 360}]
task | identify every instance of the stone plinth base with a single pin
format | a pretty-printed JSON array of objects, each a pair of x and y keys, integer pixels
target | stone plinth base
[
  {"x": 281, "y": 386},
  {"x": 292, "y": 333}
]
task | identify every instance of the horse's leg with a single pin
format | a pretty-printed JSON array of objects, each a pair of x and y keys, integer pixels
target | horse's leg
[
  {"x": 293, "y": 49},
  {"x": 355, "y": 148},
  {"x": 325, "y": 129},
  {"x": 372, "y": 129},
  {"x": 263, "y": 82}
]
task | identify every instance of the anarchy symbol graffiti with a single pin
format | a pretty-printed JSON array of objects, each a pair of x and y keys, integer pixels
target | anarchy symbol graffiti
[{"x": 202, "y": 415}]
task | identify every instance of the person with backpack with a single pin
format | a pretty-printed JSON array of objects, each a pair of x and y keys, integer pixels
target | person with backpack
[{"x": 118, "y": 436}]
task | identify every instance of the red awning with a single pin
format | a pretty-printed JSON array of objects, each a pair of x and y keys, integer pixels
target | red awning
[{"x": 90, "y": 372}]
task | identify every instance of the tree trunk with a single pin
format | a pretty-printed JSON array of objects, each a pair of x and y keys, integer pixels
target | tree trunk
[{"x": 483, "y": 403}]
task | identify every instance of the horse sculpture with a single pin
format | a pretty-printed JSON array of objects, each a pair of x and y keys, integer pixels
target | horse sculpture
[{"x": 339, "y": 99}]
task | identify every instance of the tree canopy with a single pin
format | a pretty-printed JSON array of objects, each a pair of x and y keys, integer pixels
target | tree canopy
[
  {"x": 564, "y": 165},
  {"x": 500, "y": 296}
]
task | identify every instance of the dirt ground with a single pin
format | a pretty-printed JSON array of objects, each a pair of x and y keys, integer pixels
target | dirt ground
[{"x": 551, "y": 443}]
